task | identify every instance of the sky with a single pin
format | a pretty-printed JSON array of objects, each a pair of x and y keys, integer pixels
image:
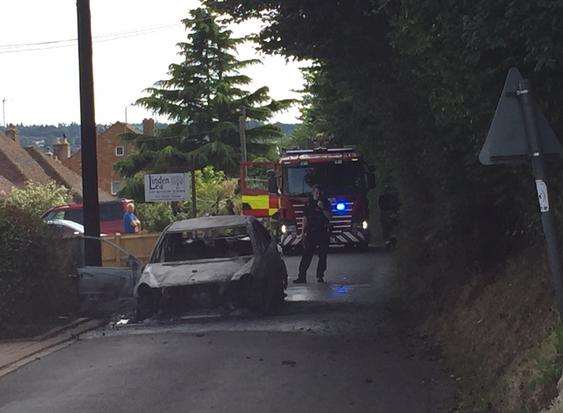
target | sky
[{"x": 134, "y": 43}]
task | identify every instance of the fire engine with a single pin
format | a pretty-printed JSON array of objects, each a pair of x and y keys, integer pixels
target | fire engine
[{"x": 279, "y": 192}]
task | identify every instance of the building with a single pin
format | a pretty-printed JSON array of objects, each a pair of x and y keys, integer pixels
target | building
[
  {"x": 110, "y": 149},
  {"x": 19, "y": 165}
]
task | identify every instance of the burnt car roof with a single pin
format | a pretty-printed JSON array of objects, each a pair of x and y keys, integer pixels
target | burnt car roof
[{"x": 219, "y": 221}]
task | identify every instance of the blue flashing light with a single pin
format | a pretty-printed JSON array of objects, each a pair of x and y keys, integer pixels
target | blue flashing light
[{"x": 341, "y": 206}]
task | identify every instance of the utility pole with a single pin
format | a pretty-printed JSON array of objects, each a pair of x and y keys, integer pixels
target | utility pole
[
  {"x": 93, "y": 252},
  {"x": 125, "y": 114},
  {"x": 4, "y": 112}
]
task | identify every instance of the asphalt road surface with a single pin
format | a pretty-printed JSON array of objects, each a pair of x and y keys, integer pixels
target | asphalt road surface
[{"x": 334, "y": 348}]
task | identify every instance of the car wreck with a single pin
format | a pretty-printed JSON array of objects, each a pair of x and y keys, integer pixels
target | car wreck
[{"x": 209, "y": 262}]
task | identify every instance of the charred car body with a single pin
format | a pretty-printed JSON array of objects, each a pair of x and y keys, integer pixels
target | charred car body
[{"x": 228, "y": 261}]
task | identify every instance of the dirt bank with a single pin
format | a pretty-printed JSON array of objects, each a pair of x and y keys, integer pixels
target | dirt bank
[{"x": 499, "y": 334}]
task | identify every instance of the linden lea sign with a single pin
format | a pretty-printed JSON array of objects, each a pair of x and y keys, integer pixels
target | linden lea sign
[{"x": 167, "y": 187}]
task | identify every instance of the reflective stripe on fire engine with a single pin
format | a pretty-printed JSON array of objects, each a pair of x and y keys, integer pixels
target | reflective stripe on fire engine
[
  {"x": 345, "y": 237},
  {"x": 260, "y": 205},
  {"x": 257, "y": 201}
]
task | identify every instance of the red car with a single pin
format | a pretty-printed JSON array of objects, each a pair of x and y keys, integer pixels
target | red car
[{"x": 111, "y": 215}]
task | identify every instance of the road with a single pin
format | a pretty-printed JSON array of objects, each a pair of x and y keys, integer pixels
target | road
[{"x": 334, "y": 348}]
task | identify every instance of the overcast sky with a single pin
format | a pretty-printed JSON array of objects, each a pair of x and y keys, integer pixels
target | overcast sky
[{"x": 135, "y": 41}]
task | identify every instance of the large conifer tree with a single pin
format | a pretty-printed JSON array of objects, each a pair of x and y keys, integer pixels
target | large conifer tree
[{"x": 204, "y": 97}]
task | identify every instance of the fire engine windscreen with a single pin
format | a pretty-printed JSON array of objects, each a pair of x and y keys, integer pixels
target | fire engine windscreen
[
  {"x": 227, "y": 242},
  {"x": 335, "y": 179}
]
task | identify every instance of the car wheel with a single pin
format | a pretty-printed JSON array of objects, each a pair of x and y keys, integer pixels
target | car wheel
[
  {"x": 147, "y": 304},
  {"x": 268, "y": 297}
]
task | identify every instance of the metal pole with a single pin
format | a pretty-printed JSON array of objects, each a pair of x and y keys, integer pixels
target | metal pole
[
  {"x": 538, "y": 167},
  {"x": 242, "y": 131},
  {"x": 4, "y": 111},
  {"x": 194, "y": 200},
  {"x": 93, "y": 253}
]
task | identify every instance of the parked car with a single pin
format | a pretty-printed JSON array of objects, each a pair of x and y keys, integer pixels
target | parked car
[
  {"x": 68, "y": 228},
  {"x": 111, "y": 215},
  {"x": 212, "y": 261}
]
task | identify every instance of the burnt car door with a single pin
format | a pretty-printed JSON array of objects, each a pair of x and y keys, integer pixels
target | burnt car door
[
  {"x": 107, "y": 289},
  {"x": 269, "y": 271}
]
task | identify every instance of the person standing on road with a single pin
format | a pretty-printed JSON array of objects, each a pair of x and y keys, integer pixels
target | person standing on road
[
  {"x": 131, "y": 223},
  {"x": 315, "y": 234},
  {"x": 388, "y": 209}
]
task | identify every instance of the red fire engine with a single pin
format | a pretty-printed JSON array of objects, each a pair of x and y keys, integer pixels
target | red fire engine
[{"x": 279, "y": 191}]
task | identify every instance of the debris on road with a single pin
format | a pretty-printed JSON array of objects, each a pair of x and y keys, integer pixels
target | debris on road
[{"x": 290, "y": 363}]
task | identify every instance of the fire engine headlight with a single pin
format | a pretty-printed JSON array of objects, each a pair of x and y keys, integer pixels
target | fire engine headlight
[
  {"x": 364, "y": 225},
  {"x": 283, "y": 228}
]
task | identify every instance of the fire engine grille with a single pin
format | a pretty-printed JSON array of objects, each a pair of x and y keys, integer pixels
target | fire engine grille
[{"x": 341, "y": 220}]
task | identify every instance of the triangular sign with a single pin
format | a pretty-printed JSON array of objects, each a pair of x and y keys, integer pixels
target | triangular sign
[{"x": 507, "y": 141}]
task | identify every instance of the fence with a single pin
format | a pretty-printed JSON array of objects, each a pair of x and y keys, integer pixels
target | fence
[{"x": 139, "y": 245}]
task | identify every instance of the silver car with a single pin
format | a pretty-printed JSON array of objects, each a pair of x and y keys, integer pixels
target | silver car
[{"x": 219, "y": 261}]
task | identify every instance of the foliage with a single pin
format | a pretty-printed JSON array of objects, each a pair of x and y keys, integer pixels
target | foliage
[
  {"x": 38, "y": 198},
  {"x": 415, "y": 84},
  {"x": 34, "y": 281},
  {"x": 204, "y": 97},
  {"x": 154, "y": 216},
  {"x": 213, "y": 189}
]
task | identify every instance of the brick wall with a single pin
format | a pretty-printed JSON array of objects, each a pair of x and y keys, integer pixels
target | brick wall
[{"x": 107, "y": 144}]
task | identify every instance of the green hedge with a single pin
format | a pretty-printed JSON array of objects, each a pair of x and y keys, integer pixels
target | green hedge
[{"x": 35, "y": 286}]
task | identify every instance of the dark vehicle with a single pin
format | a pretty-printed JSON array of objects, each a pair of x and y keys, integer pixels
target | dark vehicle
[
  {"x": 220, "y": 261},
  {"x": 111, "y": 215}
]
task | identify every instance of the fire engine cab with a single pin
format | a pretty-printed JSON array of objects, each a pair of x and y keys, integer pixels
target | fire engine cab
[{"x": 279, "y": 191}]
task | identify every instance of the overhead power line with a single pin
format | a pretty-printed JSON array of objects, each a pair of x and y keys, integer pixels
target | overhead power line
[{"x": 62, "y": 43}]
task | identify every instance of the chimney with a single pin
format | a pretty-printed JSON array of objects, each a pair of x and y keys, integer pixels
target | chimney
[
  {"x": 148, "y": 127},
  {"x": 12, "y": 133},
  {"x": 61, "y": 149}
]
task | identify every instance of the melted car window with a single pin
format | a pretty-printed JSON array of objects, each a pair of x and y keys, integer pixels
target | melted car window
[{"x": 206, "y": 244}]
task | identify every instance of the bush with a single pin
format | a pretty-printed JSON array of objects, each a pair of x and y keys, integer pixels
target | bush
[
  {"x": 34, "y": 274},
  {"x": 154, "y": 217},
  {"x": 38, "y": 198}
]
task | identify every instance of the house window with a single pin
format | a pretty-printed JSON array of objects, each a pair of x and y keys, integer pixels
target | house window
[
  {"x": 116, "y": 186},
  {"x": 119, "y": 151}
]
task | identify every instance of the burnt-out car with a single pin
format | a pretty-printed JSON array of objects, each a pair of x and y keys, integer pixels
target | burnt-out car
[{"x": 219, "y": 261}]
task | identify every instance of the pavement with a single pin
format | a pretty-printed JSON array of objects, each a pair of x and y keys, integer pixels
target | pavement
[
  {"x": 335, "y": 347},
  {"x": 17, "y": 353}
]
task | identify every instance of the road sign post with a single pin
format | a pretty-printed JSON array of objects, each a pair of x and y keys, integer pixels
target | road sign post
[
  {"x": 519, "y": 132},
  {"x": 538, "y": 167}
]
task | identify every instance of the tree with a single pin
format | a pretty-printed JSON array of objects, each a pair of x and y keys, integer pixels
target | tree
[
  {"x": 415, "y": 84},
  {"x": 36, "y": 198},
  {"x": 204, "y": 97}
]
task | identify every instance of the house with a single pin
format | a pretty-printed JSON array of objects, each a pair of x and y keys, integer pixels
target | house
[
  {"x": 110, "y": 149},
  {"x": 19, "y": 165}
]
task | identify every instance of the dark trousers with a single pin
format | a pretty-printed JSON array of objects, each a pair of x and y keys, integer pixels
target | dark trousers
[{"x": 310, "y": 244}]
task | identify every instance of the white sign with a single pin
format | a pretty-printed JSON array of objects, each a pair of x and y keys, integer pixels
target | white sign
[
  {"x": 542, "y": 195},
  {"x": 167, "y": 187}
]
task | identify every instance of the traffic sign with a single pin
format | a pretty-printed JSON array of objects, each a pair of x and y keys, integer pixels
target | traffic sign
[
  {"x": 519, "y": 132},
  {"x": 507, "y": 141}
]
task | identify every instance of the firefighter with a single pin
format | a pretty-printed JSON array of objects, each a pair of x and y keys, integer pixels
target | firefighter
[
  {"x": 388, "y": 208},
  {"x": 315, "y": 234}
]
